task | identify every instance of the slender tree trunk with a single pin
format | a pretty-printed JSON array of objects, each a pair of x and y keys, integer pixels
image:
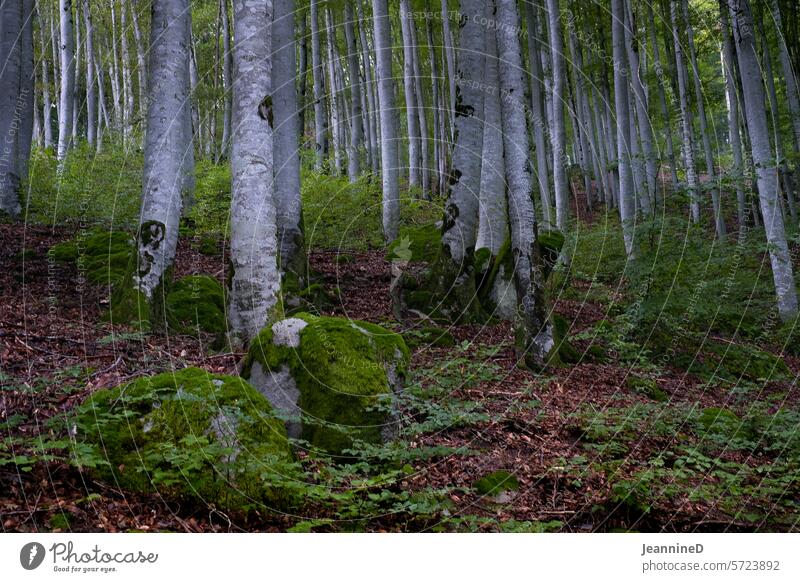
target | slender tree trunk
[
  {"x": 76, "y": 104},
  {"x": 686, "y": 119},
  {"x": 766, "y": 170},
  {"x": 559, "y": 137},
  {"x": 116, "y": 89},
  {"x": 422, "y": 117},
  {"x": 141, "y": 66},
  {"x": 320, "y": 115},
  {"x": 303, "y": 80},
  {"x": 662, "y": 98},
  {"x": 163, "y": 154},
  {"x": 255, "y": 287},
  {"x": 719, "y": 220},
  {"x": 55, "y": 44},
  {"x": 127, "y": 80},
  {"x": 371, "y": 99},
  {"x": 286, "y": 159},
  {"x": 67, "y": 53},
  {"x": 336, "y": 122},
  {"x": 10, "y": 106},
  {"x": 582, "y": 119},
  {"x": 412, "y": 122},
  {"x": 102, "y": 110},
  {"x": 47, "y": 105},
  {"x": 438, "y": 145},
  {"x": 789, "y": 75},
  {"x": 356, "y": 121},
  {"x": 227, "y": 82},
  {"x": 389, "y": 154},
  {"x": 450, "y": 58},
  {"x": 91, "y": 98},
  {"x": 621, "y": 102},
  {"x": 733, "y": 116},
  {"x": 493, "y": 212},
  {"x": 535, "y": 338},
  {"x": 26, "y": 90}
]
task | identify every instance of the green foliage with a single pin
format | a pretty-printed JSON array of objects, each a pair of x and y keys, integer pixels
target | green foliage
[
  {"x": 646, "y": 387},
  {"x": 428, "y": 336},
  {"x": 196, "y": 302},
  {"x": 210, "y": 213},
  {"x": 94, "y": 188},
  {"x": 187, "y": 434},
  {"x": 423, "y": 242}
]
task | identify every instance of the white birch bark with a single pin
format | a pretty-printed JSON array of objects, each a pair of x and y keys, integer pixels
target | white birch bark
[{"x": 766, "y": 170}]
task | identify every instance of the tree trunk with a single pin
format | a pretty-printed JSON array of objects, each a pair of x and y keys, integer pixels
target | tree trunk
[
  {"x": 255, "y": 285},
  {"x": 733, "y": 116},
  {"x": 26, "y": 90},
  {"x": 227, "y": 56},
  {"x": 163, "y": 155},
  {"x": 686, "y": 119},
  {"x": 662, "y": 98},
  {"x": 621, "y": 104},
  {"x": 356, "y": 134},
  {"x": 91, "y": 95},
  {"x": 538, "y": 118},
  {"x": 450, "y": 58},
  {"x": 534, "y": 331},
  {"x": 127, "y": 81},
  {"x": 286, "y": 159},
  {"x": 10, "y": 85},
  {"x": 493, "y": 212},
  {"x": 559, "y": 137},
  {"x": 371, "y": 100},
  {"x": 320, "y": 114},
  {"x": 141, "y": 67},
  {"x": 47, "y": 104},
  {"x": 422, "y": 117},
  {"x": 67, "y": 52},
  {"x": 412, "y": 120},
  {"x": 337, "y": 121},
  {"x": 719, "y": 220},
  {"x": 766, "y": 170},
  {"x": 389, "y": 154}
]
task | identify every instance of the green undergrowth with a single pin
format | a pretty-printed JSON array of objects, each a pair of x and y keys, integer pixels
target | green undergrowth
[{"x": 103, "y": 257}]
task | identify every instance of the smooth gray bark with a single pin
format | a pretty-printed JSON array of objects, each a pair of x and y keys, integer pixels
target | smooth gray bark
[
  {"x": 372, "y": 114},
  {"x": 255, "y": 286},
  {"x": 91, "y": 76},
  {"x": 286, "y": 153},
  {"x": 766, "y": 169},
  {"x": 141, "y": 63},
  {"x": 10, "y": 105},
  {"x": 412, "y": 119},
  {"x": 227, "y": 57},
  {"x": 386, "y": 100},
  {"x": 67, "y": 56},
  {"x": 26, "y": 97},
  {"x": 627, "y": 209},
  {"x": 168, "y": 93},
  {"x": 686, "y": 120},
  {"x": 422, "y": 117},
  {"x": 318, "y": 74},
  {"x": 356, "y": 121},
  {"x": 534, "y": 329},
  {"x": 559, "y": 138}
]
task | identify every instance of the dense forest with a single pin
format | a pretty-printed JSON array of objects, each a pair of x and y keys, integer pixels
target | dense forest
[{"x": 399, "y": 265}]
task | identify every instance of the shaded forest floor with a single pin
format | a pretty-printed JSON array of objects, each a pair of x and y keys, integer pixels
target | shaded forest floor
[{"x": 606, "y": 443}]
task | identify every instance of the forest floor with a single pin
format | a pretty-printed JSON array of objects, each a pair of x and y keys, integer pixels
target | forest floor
[{"x": 56, "y": 348}]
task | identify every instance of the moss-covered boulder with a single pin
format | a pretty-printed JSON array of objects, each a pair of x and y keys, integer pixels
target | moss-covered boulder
[
  {"x": 333, "y": 379},
  {"x": 196, "y": 302},
  {"x": 103, "y": 257},
  {"x": 189, "y": 435}
]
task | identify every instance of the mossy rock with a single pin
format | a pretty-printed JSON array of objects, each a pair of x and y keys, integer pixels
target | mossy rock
[
  {"x": 196, "y": 302},
  {"x": 104, "y": 257},
  {"x": 496, "y": 482},
  {"x": 428, "y": 336},
  {"x": 314, "y": 299},
  {"x": 719, "y": 421},
  {"x": 418, "y": 244},
  {"x": 189, "y": 435},
  {"x": 332, "y": 378},
  {"x": 566, "y": 351},
  {"x": 646, "y": 387}
]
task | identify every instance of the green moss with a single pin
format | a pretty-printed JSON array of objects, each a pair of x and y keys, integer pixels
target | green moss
[
  {"x": 189, "y": 435},
  {"x": 646, "y": 387},
  {"x": 196, "y": 301},
  {"x": 423, "y": 242},
  {"x": 104, "y": 257},
  {"x": 428, "y": 336},
  {"x": 59, "y": 521},
  {"x": 130, "y": 306},
  {"x": 719, "y": 421},
  {"x": 729, "y": 361},
  {"x": 496, "y": 482},
  {"x": 567, "y": 354},
  {"x": 340, "y": 371},
  {"x": 550, "y": 244}
]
